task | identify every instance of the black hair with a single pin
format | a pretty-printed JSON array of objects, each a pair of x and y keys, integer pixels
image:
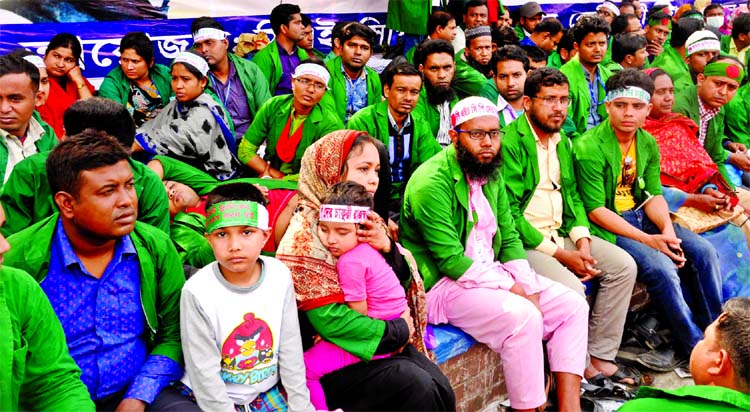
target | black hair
[
  {"x": 189, "y": 67},
  {"x": 625, "y": 44},
  {"x": 205, "y": 22},
  {"x": 347, "y": 193},
  {"x": 711, "y": 7},
  {"x": 67, "y": 41},
  {"x": 505, "y": 36},
  {"x": 103, "y": 115},
  {"x": 543, "y": 77},
  {"x": 630, "y": 78},
  {"x": 139, "y": 42},
  {"x": 338, "y": 28},
  {"x": 282, "y": 14},
  {"x": 429, "y": 47},
  {"x": 438, "y": 19},
  {"x": 15, "y": 64},
  {"x": 741, "y": 25},
  {"x": 456, "y": 9},
  {"x": 566, "y": 41},
  {"x": 589, "y": 24},
  {"x": 682, "y": 30},
  {"x": 620, "y": 23},
  {"x": 657, "y": 15},
  {"x": 510, "y": 53},
  {"x": 474, "y": 3},
  {"x": 733, "y": 333},
  {"x": 398, "y": 67},
  {"x": 358, "y": 29},
  {"x": 306, "y": 21},
  {"x": 536, "y": 54},
  {"x": 242, "y": 191},
  {"x": 88, "y": 150},
  {"x": 549, "y": 25},
  {"x": 655, "y": 73}
]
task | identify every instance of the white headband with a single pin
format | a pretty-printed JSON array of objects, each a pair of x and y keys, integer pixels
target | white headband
[
  {"x": 193, "y": 60},
  {"x": 35, "y": 60},
  {"x": 312, "y": 70},
  {"x": 209, "y": 33},
  {"x": 630, "y": 91},
  {"x": 705, "y": 44},
  {"x": 342, "y": 213},
  {"x": 470, "y": 108}
]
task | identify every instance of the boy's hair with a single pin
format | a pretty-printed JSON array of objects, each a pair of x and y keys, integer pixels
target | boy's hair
[
  {"x": 282, "y": 14},
  {"x": 504, "y": 36},
  {"x": 139, "y": 42},
  {"x": 536, "y": 54},
  {"x": 348, "y": 194},
  {"x": 102, "y": 115},
  {"x": 205, "y": 22},
  {"x": 429, "y": 47},
  {"x": 15, "y": 64},
  {"x": 741, "y": 25},
  {"x": 543, "y": 77},
  {"x": 358, "y": 29},
  {"x": 87, "y": 150},
  {"x": 620, "y": 23},
  {"x": 733, "y": 327},
  {"x": 589, "y": 24},
  {"x": 626, "y": 44},
  {"x": 242, "y": 191},
  {"x": 630, "y": 78},
  {"x": 549, "y": 25},
  {"x": 682, "y": 30},
  {"x": 66, "y": 40},
  {"x": 398, "y": 67},
  {"x": 511, "y": 53},
  {"x": 438, "y": 19},
  {"x": 566, "y": 41}
]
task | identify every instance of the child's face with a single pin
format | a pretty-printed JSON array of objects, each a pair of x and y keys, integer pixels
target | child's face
[
  {"x": 339, "y": 238},
  {"x": 237, "y": 247}
]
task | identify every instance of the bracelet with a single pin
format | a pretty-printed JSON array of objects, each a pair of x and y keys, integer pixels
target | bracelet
[{"x": 81, "y": 86}]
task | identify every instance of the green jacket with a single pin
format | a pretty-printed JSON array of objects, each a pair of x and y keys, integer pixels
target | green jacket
[
  {"x": 554, "y": 60},
  {"x": 46, "y": 142},
  {"x": 161, "y": 273},
  {"x": 674, "y": 64},
  {"x": 269, "y": 63},
  {"x": 26, "y": 196},
  {"x": 580, "y": 98},
  {"x": 408, "y": 16},
  {"x": 489, "y": 91},
  {"x": 429, "y": 112},
  {"x": 686, "y": 103},
  {"x": 271, "y": 120},
  {"x": 737, "y": 126},
  {"x": 688, "y": 398},
  {"x": 374, "y": 120},
  {"x": 254, "y": 81},
  {"x": 36, "y": 371},
  {"x": 434, "y": 221},
  {"x": 598, "y": 161},
  {"x": 117, "y": 87},
  {"x": 187, "y": 234},
  {"x": 336, "y": 97},
  {"x": 521, "y": 174},
  {"x": 468, "y": 80}
]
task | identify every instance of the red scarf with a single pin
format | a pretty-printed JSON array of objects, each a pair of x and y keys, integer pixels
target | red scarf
[{"x": 286, "y": 147}]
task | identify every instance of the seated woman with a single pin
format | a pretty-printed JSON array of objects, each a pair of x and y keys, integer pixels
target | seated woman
[
  {"x": 193, "y": 128},
  {"x": 138, "y": 83},
  {"x": 692, "y": 179},
  {"x": 66, "y": 81},
  {"x": 382, "y": 384},
  {"x": 288, "y": 124}
]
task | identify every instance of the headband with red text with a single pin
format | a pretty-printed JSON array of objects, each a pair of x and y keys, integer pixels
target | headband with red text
[{"x": 342, "y": 213}]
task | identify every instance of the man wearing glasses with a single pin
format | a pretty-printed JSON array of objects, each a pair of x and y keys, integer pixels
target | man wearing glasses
[
  {"x": 457, "y": 223},
  {"x": 552, "y": 223}
]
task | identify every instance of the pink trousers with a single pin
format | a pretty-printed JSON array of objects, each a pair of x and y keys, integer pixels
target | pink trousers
[{"x": 513, "y": 327}]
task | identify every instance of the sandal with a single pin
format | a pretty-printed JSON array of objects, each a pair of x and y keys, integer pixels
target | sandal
[{"x": 625, "y": 372}]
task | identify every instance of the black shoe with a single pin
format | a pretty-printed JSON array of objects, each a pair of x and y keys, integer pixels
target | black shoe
[{"x": 659, "y": 360}]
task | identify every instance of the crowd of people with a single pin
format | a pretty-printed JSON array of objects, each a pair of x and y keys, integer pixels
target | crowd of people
[{"x": 275, "y": 232}]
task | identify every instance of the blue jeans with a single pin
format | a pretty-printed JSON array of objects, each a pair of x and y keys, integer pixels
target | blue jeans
[{"x": 697, "y": 283}]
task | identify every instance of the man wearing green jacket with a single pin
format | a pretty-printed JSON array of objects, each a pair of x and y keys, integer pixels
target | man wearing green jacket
[
  {"x": 38, "y": 372},
  {"x": 239, "y": 84},
  {"x": 353, "y": 85},
  {"x": 21, "y": 135},
  {"x": 720, "y": 365},
  {"x": 440, "y": 25},
  {"x": 511, "y": 64},
  {"x": 437, "y": 97},
  {"x": 405, "y": 134},
  {"x": 113, "y": 283},
  {"x": 474, "y": 65},
  {"x": 674, "y": 58},
  {"x": 280, "y": 57},
  {"x": 586, "y": 76},
  {"x": 552, "y": 224},
  {"x": 737, "y": 117}
]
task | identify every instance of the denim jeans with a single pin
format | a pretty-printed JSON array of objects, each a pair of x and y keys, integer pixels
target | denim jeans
[{"x": 689, "y": 298}]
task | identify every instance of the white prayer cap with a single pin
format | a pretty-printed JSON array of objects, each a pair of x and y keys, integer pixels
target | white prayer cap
[
  {"x": 702, "y": 40},
  {"x": 471, "y": 108}
]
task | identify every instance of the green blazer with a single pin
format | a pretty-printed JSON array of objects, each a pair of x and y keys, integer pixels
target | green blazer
[
  {"x": 468, "y": 80},
  {"x": 435, "y": 221},
  {"x": 737, "y": 119},
  {"x": 686, "y": 103},
  {"x": 161, "y": 273},
  {"x": 117, "y": 87},
  {"x": 580, "y": 98},
  {"x": 46, "y": 142},
  {"x": 429, "y": 112},
  {"x": 269, "y": 63},
  {"x": 598, "y": 161},
  {"x": 336, "y": 97},
  {"x": 672, "y": 62},
  {"x": 521, "y": 174}
]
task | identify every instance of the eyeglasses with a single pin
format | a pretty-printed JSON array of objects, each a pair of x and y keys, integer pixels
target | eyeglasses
[
  {"x": 479, "y": 134},
  {"x": 550, "y": 101},
  {"x": 307, "y": 82}
]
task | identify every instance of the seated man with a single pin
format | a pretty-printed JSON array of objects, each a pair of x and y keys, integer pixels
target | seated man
[
  {"x": 474, "y": 13},
  {"x": 440, "y": 25},
  {"x": 27, "y": 198},
  {"x": 457, "y": 223},
  {"x": 608, "y": 11},
  {"x": 674, "y": 58},
  {"x": 628, "y": 52},
  {"x": 740, "y": 37},
  {"x": 537, "y": 57},
  {"x": 617, "y": 166},
  {"x": 280, "y": 57},
  {"x": 700, "y": 48},
  {"x": 720, "y": 365},
  {"x": 546, "y": 35},
  {"x": 737, "y": 117},
  {"x": 38, "y": 372},
  {"x": 551, "y": 221},
  {"x": 658, "y": 28},
  {"x": 529, "y": 15},
  {"x": 406, "y": 135},
  {"x": 308, "y": 39},
  {"x": 434, "y": 59},
  {"x": 474, "y": 65},
  {"x": 113, "y": 283},
  {"x": 506, "y": 88}
]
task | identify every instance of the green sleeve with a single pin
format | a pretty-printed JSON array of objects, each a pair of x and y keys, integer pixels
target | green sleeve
[
  {"x": 170, "y": 278},
  {"x": 153, "y": 203},
  {"x": 260, "y": 128},
  {"x": 264, "y": 61},
  {"x": 511, "y": 247},
  {"x": 261, "y": 89},
  {"x": 738, "y": 117},
  {"x": 110, "y": 90},
  {"x": 25, "y": 197},
  {"x": 178, "y": 171},
  {"x": 468, "y": 81},
  {"x": 52, "y": 378},
  {"x": 513, "y": 171},
  {"x": 359, "y": 122},
  {"x": 355, "y": 333},
  {"x": 489, "y": 90},
  {"x": 427, "y": 145},
  {"x": 187, "y": 234},
  {"x": 246, "y": 151},
  {"x": 652, "y": 171},
  {"x": 590, "y": 169}
]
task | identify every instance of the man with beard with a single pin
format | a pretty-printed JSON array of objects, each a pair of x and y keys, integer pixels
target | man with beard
[
  {"x": 405, "y": 134},
  {"x": 473, "y": 66},
  {"x": 550, "y": 219},
  {"x": 457, "y": 223},
  {"x": 250, "y": 89},
  {"x": 434, "y": 58},
  {"x": 114, "y": 283},
  {"x": 280, "y": 57},
  {"x": 618, "y": 174},
  {"x": 506, "y": 88},
  {"x": 353, "y": 85},
  {"x": 586, "y": 76}
]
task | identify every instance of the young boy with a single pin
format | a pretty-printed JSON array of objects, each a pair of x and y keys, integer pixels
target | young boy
[{"x": 240, "y": 330}]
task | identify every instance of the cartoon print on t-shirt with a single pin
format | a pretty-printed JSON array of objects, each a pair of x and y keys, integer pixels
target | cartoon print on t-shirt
[{"x": 249, "y": 344}]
